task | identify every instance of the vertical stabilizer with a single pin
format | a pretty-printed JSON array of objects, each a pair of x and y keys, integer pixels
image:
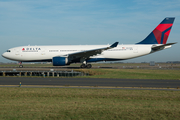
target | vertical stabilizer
[{"x": 160, "y": 34}]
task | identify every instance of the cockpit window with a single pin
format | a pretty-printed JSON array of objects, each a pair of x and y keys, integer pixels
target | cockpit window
[{"x": 8, "y": 51}]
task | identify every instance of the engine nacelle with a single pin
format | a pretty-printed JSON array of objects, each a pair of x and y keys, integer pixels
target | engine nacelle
[{"x": 60, "y": 61}]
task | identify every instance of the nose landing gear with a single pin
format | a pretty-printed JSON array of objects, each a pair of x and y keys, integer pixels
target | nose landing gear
[{"x": 20, "y": 65}]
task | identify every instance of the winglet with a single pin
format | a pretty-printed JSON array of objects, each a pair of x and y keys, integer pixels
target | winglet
[{"x": 114, "y": 45}]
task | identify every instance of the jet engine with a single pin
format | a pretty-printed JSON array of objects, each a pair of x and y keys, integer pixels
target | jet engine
[{"x": 60, "y": 61}]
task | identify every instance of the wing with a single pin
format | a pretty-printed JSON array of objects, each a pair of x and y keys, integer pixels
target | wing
[{"x": 86, "y": 54}]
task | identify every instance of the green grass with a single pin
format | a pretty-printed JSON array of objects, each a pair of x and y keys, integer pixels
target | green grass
[
  {"x": 122, "y": 73},
  {"x": 133, "y": 73},
  {"x": 92, "y": 104}
]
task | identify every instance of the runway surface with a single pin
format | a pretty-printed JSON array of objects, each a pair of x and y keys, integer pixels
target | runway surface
[{"x": 91, "y": 82}]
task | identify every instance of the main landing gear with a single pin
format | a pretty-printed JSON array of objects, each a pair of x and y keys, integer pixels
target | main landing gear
[
  {"x": 84, "y": 63},
  {"x": 86, "y": 66}
]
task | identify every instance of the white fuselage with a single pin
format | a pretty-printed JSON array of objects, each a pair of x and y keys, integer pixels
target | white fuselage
[
  {"x": 46, "y": 53},
  {"x": 61, "y": 55}
]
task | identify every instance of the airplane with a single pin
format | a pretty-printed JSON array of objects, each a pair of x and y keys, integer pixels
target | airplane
[{"x": 62, "y": 55}]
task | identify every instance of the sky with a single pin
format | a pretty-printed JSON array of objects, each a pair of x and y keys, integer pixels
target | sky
[{"x": 87, "y": 22}]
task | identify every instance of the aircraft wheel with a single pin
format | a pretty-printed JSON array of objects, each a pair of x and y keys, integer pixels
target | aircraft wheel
[
  {"x": 89, "y": 66},
  {"x": 20, "y": 66},
  {"x": 83, "y": 66}
]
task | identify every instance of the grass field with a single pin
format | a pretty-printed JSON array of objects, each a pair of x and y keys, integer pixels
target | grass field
[
  {"x": 133, "y": 73},
  {"x": 171, "y": 74},
  {"x": 129, "y": 74},
  {"x": 92, "y": 104}
]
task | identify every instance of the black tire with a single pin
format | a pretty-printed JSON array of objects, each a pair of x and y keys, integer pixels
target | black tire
[
  {"x": 83, "y": 66},
  {"x": 20, "y": 66},
  {"x": 89, "y": 66}
]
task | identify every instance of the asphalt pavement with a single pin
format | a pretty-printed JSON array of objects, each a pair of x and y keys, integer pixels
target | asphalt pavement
[{"x": 101, "y": 82}]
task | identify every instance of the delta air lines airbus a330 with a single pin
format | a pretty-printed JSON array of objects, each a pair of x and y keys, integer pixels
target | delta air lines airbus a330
[{"x": 61, "y": 55}]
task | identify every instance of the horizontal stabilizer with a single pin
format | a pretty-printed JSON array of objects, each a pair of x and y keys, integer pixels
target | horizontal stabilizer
[{"x": 161, "y": 46}]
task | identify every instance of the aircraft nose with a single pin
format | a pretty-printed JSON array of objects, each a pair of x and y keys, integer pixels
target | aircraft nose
[{"x": 3, "y": 55}]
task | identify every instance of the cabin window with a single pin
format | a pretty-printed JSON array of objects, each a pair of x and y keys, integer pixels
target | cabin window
[
  {"x": 53, "y": 50},
  {"x": 67, "y": 50}
]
